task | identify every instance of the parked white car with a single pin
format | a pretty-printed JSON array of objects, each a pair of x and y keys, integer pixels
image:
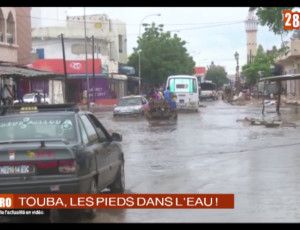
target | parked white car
[{"x": 31, "y": 98}]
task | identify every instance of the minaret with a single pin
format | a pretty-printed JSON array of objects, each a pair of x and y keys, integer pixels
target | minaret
[{"x": 251, "y": 29}]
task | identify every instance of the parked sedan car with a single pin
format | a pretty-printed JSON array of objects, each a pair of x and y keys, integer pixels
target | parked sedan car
[
  {"x": 32, "y": 98},
  {"x": 58, "y": 149},
  {"x": 131, "y": 106}
]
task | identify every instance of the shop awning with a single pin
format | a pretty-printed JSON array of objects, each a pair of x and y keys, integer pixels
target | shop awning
[
  {"x": 281, "y": 77},
  {"x": 90, "y": 76},
  {"x": 23, "y": 72},
  {"x": 278, "y": 79}
]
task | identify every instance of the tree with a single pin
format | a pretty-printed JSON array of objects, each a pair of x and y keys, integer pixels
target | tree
[
  {"x": 161, "y": 55},
  {"x": 216, "y": 74},
  {"x": 261, "y": 65},
  {"x": 271, "y": 17}
]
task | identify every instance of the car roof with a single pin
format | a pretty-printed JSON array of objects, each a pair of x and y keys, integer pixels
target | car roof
[
  {"x": 34, "y": 109},
  {"x": 132, "y": 96},
  {"x": 182, "y": 76}
]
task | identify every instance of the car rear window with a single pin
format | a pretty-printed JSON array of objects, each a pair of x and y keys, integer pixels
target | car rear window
[
  {"x": 38, "y": 126},
  {"x": 208, "y": 86},
  {"x": 130, "y": 101}
]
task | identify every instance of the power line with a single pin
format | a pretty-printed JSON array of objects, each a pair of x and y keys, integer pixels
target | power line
[{"x": 201, "y": 25}]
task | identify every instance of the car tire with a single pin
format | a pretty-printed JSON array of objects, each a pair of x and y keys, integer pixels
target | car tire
[
  {"x": 91, "y": 213},
  {"x": 118, "y": 186}
]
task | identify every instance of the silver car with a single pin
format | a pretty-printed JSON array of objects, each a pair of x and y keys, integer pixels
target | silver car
[{"x": 131, "y": 106}]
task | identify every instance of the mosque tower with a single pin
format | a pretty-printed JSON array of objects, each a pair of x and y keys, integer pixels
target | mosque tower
[{"x": 251, "y": 28}]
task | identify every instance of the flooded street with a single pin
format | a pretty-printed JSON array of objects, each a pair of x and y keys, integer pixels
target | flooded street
[{"x": 212, "y": 152}]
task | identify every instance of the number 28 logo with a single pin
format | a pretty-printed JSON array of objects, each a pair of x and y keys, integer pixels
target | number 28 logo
[{"x": 291, "y": 20}]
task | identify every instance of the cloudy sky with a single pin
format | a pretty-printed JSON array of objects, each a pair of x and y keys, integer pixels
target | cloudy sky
[{"x": 211, "y": 33}]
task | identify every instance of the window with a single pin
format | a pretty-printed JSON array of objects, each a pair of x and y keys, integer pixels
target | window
[
  {"x": 102, "y": 133},
  {"x": 195, "y": 86},
  {"x": 10, "y": 29},
  {"x": 41, "y": 53},
  {"x": 83, "y": 133},
  {"x": 91, "y": 132},
  {"x": 144, "y": 100},
  {"x": 39, "y": 126},
  {"x": 120, "y": 43}
]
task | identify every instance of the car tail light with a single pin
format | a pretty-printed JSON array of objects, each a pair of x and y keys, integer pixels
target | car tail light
[{"x": 67, "y": 166}]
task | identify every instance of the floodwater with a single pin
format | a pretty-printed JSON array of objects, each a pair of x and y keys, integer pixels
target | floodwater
[{"x": 211, "y": 151}]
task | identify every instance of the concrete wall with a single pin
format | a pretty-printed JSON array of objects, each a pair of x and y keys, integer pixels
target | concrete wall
[{"x": 24, "y": 35}]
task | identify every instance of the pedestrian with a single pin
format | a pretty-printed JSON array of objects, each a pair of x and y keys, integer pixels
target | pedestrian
[
  {"x": 167, "y": 94},
  {"x": 4, "y": 95},
  {"x": 156, "y": 95},
  {"x": 160, "y": 94},
  {"x": 38, "y": 97},
  {"x": 20, "y": 94}
]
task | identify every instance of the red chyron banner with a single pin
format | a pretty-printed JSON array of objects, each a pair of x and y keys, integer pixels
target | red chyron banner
[
  {"x": 72, "y": 66},
  {"x": 116, "y": 201}
]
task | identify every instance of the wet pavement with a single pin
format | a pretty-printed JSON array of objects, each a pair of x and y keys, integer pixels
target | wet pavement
[{"x": 211, "y": 151}]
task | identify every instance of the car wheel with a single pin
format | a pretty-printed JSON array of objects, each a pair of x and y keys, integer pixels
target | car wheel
[
  {"x": 91, "y": 213},
  {"x": 118, "y": 186}
]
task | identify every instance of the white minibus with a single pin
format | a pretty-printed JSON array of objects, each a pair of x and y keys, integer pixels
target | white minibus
[{"x": 185, "y": 87}]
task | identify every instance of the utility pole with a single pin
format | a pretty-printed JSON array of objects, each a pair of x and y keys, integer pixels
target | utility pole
[
  {"x": 93, "y": 55},
  {"x": 86, "y": 65},
  {"x": 237, "y": 78},
  {"x": 65, "y": 88}
]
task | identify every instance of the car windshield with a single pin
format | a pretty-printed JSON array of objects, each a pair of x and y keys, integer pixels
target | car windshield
[
  {"x": 208, "y": 86},
  {"x": 36, "y": 127},
  {"x": 130, "y": 101}
]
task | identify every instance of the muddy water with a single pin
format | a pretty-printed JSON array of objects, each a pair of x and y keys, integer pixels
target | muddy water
[{"x": 210, "y": 152}]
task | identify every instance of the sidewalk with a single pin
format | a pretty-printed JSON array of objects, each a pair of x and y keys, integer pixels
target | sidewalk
[
  {"x": 100, "y": 105},
  {"x": 95, "y": 108},
  {"x": 258, "y": 101}
]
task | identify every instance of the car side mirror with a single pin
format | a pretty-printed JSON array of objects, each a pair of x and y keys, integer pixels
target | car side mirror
[{"x": 116, "y": 137}]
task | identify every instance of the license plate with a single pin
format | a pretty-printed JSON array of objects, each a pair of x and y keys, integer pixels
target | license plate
[{"x": 17, "y": 169}]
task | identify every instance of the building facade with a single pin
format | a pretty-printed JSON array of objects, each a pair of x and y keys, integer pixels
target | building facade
[
  {"x": 92, "y": 37},
  {"x": 290, "y": 63},
  {"x": 107, "y": 35},
  {"x": 15, "y": 35},
  {"x": 15, "y": 44},
  {"x": 8, "y": 35}
]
